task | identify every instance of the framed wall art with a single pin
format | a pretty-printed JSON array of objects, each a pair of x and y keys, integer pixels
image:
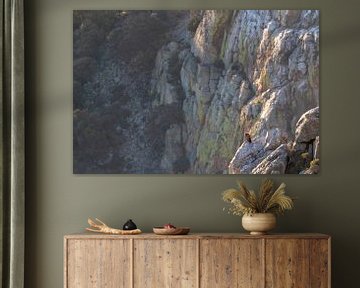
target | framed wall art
[{"x": 196, "y": 92}]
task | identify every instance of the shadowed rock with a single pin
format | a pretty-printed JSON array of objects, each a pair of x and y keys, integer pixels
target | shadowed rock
[
  {"x": 308, "y": 126},
  {"x": 275, "y": 163}
]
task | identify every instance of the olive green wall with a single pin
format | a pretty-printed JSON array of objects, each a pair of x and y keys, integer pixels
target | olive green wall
[{"x": 59, "y": 202}]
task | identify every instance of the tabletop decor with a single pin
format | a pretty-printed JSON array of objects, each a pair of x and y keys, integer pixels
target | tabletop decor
[
  {"x": 258, "y": 210},
  {"x": 169, "y": 229},
  {"x": 129, "y": 225},
  {"x": 101, "y": 227}
]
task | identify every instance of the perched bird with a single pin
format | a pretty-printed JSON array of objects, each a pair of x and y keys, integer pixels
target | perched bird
[{"x": 248, "y": 137}]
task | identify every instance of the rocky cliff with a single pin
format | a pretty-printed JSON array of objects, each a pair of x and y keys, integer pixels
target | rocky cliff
[
  {"x": 244, "y": 71},
  {"x": 219, "y": 75}
]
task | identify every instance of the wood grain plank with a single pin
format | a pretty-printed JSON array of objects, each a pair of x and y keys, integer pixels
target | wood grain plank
[
  {"x": 198, "y": 263},
  {"x": 319, "y": 263},
  {"x": 231, "y": 263},
  {"x": 287, "y": 263},
  {"x": 88, "y": 235},
  {"x": 98, "y": 264},
  {"x": 65, "y": 262},
  {"x": 329, "y": 261},
  {"x": 132, "y": 272},
  {"x": 164, "y": 263}
]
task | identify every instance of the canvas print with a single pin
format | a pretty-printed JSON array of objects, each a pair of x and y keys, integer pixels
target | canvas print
[{"x": 196, "y": 92}]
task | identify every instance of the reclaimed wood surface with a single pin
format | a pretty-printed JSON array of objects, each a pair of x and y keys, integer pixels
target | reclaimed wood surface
[
  {"x": 287, "y": 263},
  {"x": 98, "y": 264},
  {"x": 165, "y": 263},
  {"x": 231, "y": 263},
  {"x": 197, "y": 260},
  {"x": 320, "y": 263},
  {"x": 89, "y": 235}
]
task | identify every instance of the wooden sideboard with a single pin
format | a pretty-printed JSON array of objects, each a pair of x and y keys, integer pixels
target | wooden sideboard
[{"x": 197, "y": 260}]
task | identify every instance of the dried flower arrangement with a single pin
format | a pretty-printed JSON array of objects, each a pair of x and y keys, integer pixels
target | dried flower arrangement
[{"x": 267, "y": 200}]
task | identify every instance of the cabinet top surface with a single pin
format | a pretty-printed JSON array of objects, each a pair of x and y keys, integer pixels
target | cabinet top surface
[{"x": 86, "y": 235}]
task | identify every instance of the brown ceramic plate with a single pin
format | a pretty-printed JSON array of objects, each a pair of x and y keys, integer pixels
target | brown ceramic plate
[{"x": 171, "y": 231}]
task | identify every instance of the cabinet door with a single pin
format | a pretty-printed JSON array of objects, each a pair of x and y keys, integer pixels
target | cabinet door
[
  {"x": 165, "y": 263},
  {"x": 98, "y": 263},
  {"x": 231, "y": 263},
  {"x": 320, "y": 263},
  {"x": 287, "y": 263}
]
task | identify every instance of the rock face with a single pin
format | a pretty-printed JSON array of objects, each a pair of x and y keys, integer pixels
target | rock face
[
  {"x": 307, "y": 142},
  {"x": 245, "y": 71},
  {"x": 213, "y": 76},
  {"x": 274, "y": 163},
  {"x": 308, "y": 126}
]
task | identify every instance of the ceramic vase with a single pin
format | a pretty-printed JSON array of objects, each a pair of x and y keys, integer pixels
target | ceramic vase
[{"x": 259, "y": 223}]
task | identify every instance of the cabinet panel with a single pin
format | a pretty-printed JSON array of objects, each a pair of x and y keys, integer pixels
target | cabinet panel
[
  {"x": 197, "y": 261},
  {"x": 166, "y": 263},
  {"x": 319, "y": 263},
  {"x": 287, "y": 263},
  {"x": 98, "y": 263},
  {"x": 231, "y": 263}
]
